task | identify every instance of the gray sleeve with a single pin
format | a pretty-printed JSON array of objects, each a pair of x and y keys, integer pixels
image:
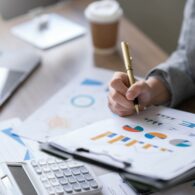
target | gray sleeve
[{"x": 178, "y": 72}]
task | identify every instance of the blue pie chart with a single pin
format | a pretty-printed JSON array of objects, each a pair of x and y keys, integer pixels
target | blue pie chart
[
  {"x": 82, "y": 101},
  {"x": 180, "y": 143}
]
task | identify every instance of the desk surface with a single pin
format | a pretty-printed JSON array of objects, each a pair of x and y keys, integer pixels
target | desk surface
[{"x": 62, "y": 63}]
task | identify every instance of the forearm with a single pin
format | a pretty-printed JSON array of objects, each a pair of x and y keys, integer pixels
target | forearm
[{"x": 160, "y": 93}]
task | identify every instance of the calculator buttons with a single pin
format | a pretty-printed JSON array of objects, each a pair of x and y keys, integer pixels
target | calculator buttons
[
  {"x": 34, "y": 163},
  {"x": 64, "y": 177},
  {"x": 54, "y": 167},
  {"x": 88, "y": 177},
  {"x": 50, "y": 175},
  {"x": 54, "y": 182},
  {"x": 46, "y": 168},
  {"x": 71, "y": 179},
  {"x": 76, "y": 187},
  {"x": 43, "y": 178},
  {"x": 75, "y": 171},
  {"x": 50, "y": 191},
  {"x": 67, "y": 172},
  {"x": 38, "y": 170},
  {"x": 85, "y": 186},
  {"x": 93, "y": 184},
  {"x": 63, "y": 166},
  {"x": 80, "y": 178},
  {"x": 42, "y": 162},
  {"x": 63, "y": 181},
  {"x": 83, "y": 170},
  {"x": 46, "y": 184},
  {"x": 68, "y": 188},
  {"x": 59, "y": 190},
  {"x": 51, "y": 161},
  {"x": 59, "y": 174}
]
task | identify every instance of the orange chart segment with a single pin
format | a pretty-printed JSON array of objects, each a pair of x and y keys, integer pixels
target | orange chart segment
[
  {"x": 101, "y": 135},
  {"x": 120, "y": 137},
  {"x": 131, "y": 143},
  {"x": 152, "y": 135},
  {"x": 147, "y": 146},
  {"x": 136, "y": 129}
]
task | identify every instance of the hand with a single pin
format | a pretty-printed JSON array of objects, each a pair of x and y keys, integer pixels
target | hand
[{"x": 148, "y": 92}]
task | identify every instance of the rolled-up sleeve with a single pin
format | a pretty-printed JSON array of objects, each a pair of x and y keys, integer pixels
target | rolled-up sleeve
[{"x": 178, "y": 72}]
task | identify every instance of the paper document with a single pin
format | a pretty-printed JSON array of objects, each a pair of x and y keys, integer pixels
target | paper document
[
  {"x": 78, "y": 104},
  {"x": 12, "y": 147},
  {"x": 160, "y": 137},
  {"x": 114, "y": 185}
]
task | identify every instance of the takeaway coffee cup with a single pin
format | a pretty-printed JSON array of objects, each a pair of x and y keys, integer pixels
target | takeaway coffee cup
[{"x": 104, "y": 17}]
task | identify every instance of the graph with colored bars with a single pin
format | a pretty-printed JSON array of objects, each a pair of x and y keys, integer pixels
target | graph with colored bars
[
  {"x": 171, "y": 118},
  {"x": 114, "y": 138}
]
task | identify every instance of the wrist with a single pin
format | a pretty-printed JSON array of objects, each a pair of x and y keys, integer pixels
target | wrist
[{"x": 159, "y": 92}]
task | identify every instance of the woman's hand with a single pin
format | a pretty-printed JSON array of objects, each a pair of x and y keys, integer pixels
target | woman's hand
[{"x": 148, "y": 92}]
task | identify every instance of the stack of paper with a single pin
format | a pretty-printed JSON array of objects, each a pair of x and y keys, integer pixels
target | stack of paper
[
  {"x": 153, "y": 142},
  {"x": 158, "y": 137},
  {"x": 82, "y": 102}
]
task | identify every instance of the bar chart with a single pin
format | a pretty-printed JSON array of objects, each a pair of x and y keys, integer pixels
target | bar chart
[{"x": 114, "y": 138}]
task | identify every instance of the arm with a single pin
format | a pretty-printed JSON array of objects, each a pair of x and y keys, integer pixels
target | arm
[
  {"x": 171, "y": 82},
  {"x": 178, "y": 72}
]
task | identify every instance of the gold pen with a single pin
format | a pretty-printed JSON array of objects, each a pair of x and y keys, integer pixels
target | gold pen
[{"x": 128, "y": 65}]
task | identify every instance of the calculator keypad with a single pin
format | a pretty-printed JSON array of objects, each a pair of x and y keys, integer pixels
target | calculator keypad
[{"x": 60, "y": 177}]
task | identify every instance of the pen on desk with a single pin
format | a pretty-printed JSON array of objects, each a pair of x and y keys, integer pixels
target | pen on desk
[{"x": 128, "y": 65}]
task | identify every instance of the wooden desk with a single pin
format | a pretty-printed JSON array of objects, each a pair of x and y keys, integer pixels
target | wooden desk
[{"x": 62, "y": 63}]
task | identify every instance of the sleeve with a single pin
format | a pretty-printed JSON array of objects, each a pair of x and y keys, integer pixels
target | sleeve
[{"x": 178, "y": 72}]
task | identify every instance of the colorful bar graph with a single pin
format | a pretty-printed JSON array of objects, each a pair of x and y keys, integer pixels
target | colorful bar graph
[
  {"x": 112, "y": 135},
  {"x": 101, "y": 135},
  {"x": 120, "y": 137},
  {"x": 131, "y": 143},
  {"x": 188, "y": 124},
  {"x": 153, "y": 135},
  {"x": 125, "y": 139},
  {"x": 112, "y": 138}
]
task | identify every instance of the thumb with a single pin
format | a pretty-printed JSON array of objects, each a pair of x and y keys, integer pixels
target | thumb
[{"x": 135, "y": 90}]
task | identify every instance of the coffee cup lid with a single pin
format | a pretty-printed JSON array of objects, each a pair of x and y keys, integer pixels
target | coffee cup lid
[{"x": 104, "y": 11}]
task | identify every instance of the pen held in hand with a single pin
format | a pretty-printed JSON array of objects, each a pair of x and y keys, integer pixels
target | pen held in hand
[{"x": 129, "y": 69}]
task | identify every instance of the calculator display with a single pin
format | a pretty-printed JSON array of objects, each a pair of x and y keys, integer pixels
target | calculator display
[{"x": 22, "y": 179}]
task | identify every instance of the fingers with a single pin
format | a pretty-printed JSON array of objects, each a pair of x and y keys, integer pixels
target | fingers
[
  {"x": 117, "y": 100},
  {"x": 119, "y": 83},
  {"x": 141, "y": 91},
  {"x": 120, "y": 99},
  {"x": 118, "y": 109}
]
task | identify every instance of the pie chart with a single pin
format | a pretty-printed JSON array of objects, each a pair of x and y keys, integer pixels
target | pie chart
[
  {"x": 82, "y": 101},
  {"x": 153, "y": 135},
  {"x": 136, "y": 129},
  {"x": 180, "y": 143}
]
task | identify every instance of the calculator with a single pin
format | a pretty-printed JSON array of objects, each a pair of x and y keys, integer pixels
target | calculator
[{"x": 48, "y": 176}]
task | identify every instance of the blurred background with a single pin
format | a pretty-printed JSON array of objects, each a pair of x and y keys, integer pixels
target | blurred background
[{"x": 159, "y": 19}]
